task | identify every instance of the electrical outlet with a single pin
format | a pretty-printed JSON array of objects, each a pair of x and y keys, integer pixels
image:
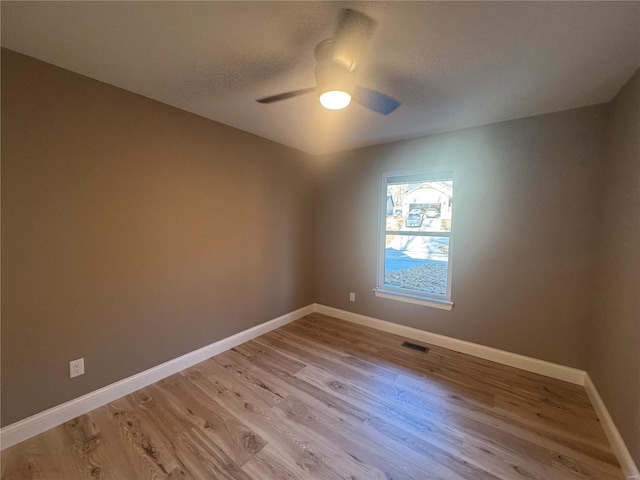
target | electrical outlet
[
  {"x": 352, "y": 297},
  {"x": 76, "y": 367}
]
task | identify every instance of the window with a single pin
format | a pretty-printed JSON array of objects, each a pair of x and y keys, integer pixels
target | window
[{"x": 415, "y": 239}]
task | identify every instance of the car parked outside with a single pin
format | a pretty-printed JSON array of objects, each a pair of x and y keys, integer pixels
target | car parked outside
[
  {"x": 414, "y": 218},
  {"x": 432, "y": 213}
]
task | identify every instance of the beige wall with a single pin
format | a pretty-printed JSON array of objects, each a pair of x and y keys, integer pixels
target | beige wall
[
  {"x": 524, "y": 216},
  {"x": 614, "y": 354},
  {"x": 133, "y": 232}
]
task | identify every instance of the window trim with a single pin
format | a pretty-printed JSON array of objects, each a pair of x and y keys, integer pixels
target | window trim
[
  {"x": 405, "y": 297},
  {"x": 442, "y": 302}
]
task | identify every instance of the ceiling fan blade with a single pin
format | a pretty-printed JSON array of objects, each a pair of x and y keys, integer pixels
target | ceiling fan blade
[
  {"x": 352, "y": 37},
  {"x": 284, "y": 96},
  {"x": 376, "y": 101}
]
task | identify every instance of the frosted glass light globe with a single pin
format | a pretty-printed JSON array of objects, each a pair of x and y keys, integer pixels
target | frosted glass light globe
[{"x": 335, "y": 99}]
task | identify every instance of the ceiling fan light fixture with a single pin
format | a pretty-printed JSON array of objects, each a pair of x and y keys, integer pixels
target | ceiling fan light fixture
[
  {"x": 335, "y": 85},
  {"x": 335, "y": 99},
  {"x": 337, "y": 66}
]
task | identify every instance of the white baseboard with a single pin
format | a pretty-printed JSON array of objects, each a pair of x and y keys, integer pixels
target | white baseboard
[
  {"x": 568, "y": 374},
  {"x": 40, "y": 422},
  {"x": 617, "y": 443}
]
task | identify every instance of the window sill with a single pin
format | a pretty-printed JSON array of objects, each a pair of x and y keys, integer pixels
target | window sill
[{"x": 403, "y": 297}]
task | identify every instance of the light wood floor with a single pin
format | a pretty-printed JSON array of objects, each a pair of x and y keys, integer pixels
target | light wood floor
[{"x": 324, "y": 399}]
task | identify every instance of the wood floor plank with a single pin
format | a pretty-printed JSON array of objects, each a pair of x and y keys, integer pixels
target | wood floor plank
[
  {"x": 354, "y": 419},
  {"x": 221, "y": 428},
  {"x": 375, "y": 427},
  {"x": 323, "y": 399},
  {"x": 121, "y": 458},
  {"x": 46, "y": 456},
  {"x": 307, "y": 453},
  {"x": 328, "y": 350},
  {"x": 596, "y": 442},
  {"x": 366, "y": 449},
  {"x": 476, "y": 371},
  {"x": 273, "y": 463},
  {"x": 427, "y": 437},
  {"x": 506, "y": 464},
  {"x": 152, "y": 449},
  {"x": 92, "y": 451},
  {"x": 469, "y": 419},
  {"x": 390, "y": 345}
]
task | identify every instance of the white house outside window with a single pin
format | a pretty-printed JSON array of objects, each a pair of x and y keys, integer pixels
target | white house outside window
[{"x": 415, "y": 238}]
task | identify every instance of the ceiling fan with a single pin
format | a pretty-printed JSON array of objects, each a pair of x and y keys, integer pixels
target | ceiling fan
[{"x": 338, "y": 59}]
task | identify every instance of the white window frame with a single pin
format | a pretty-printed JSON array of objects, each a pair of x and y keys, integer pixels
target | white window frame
[{"x": 442, "y": 302}]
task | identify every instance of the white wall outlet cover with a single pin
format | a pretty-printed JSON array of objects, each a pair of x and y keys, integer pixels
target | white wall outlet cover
[
  {"x": 76, "y": 367},
  {"x": 352, "y": 297}
]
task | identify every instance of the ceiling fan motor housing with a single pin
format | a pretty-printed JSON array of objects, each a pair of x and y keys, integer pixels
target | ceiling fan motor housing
[{"x": 333, "y": 77}]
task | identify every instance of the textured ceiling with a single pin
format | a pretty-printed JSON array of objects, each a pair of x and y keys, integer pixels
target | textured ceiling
[{"x": 451, "y": 64}]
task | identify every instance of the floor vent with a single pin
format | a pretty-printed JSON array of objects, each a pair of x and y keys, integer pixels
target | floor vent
[{"x": 414, "y": 346}]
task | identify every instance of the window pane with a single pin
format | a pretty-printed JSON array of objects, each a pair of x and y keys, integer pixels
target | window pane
[
  {"x": 417, "y": 263},
  {"x": 420, "y": 206}
]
